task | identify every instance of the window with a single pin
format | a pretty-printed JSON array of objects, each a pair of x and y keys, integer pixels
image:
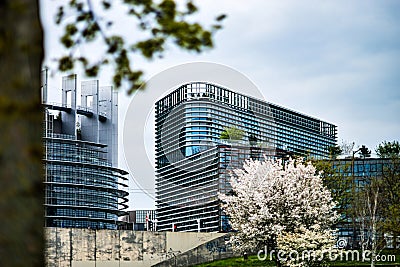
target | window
[
  {"x": 89, "y": 101},
  {"x": 69, "y": 98}
]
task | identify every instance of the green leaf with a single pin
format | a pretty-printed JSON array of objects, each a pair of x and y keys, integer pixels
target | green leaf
[
  {"x": 83, "y": 60},
  {"x": 168, "y": 9},
  {"x": 191, "y": 8},
  {"x": 67, "y": 41},
  {"x": 59, "y": 15},
  {"x": 106, "y": 4},
  {"x": 220, "y": 17},
  {"x": 71, "y": 29},
  {"x": 162, "y": 20},
  {"x": 115, "y": 43},
  {"x": 151, "y": 46},
  {"x": 92, "y": 71},
  {"x": 65, "y": 63}
]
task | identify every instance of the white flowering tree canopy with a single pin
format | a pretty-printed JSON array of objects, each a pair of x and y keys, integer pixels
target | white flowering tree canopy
[
  {"x": 306, "y": 247},
  {"x": 272, "y": 197}
]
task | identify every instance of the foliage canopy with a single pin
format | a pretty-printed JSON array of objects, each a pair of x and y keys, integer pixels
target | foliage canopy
[
  {"x": 388, "y": 149},
  {"x": 162, "y": 20}
]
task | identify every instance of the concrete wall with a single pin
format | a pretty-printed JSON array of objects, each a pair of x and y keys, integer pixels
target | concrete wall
[
  {"x": 211, "y": 250},
  {"x": 84, "y": 247}
]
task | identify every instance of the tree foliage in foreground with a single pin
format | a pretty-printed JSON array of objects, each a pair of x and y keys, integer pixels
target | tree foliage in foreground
[
  {"x": 21, "y": 148},
  {"x": 368, "y": 210},
  {"x": 335, "y": 177},
  {"x": 163, "y": 22},
  {"x": 391, "y": 200},
  {"x": 271, "y": 198},
  {"x": 390, "y": 188},
  {"x": 21, "y": 114}
]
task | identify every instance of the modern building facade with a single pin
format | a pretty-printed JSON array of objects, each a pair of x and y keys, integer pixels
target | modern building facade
[
  {"x": 362, "y": 171},
  {"x": 140, "y": 220},
  {"x": 193, "y": 162},
  {"x": 82, "y": 183}
]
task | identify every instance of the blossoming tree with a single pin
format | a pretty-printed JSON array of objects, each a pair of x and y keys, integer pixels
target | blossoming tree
[
  {"x": 270, "y": 199},
  {"x": 306, "y": 247}
]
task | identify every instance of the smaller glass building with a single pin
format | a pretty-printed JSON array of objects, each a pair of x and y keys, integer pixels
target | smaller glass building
[
  {"x": 140, "y": 220},
  {"x": 361, "y": 171}
]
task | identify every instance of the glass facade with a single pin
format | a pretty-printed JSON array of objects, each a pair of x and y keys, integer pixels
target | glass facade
[
  {"x": 193, "y": 162},
  {"x": 83, "y": 189},
  {"x": 136, "y": 220},
  {"x": 361, "y": 171}
]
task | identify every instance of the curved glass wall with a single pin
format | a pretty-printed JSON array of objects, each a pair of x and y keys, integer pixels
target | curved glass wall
[{"x": 81, "y": 187}]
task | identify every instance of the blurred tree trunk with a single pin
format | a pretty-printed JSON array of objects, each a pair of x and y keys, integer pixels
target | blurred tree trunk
[{"x": 21, "y": 197}]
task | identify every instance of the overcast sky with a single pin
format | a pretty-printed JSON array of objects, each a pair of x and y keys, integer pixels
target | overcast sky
[{"x": 335, "y": 60}]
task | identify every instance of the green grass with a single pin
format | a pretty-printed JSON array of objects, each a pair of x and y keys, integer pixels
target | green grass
[
  {"x": 253, "y": 261},
  {"x": 377, "y": 263}
]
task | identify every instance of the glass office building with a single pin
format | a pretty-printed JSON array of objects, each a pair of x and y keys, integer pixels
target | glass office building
[
  {"x": 140, "y": 220},
  {"x": 82, "y": 184},
  {"x": 193, "y": 162},
  {"x": 362, "y": 171}
]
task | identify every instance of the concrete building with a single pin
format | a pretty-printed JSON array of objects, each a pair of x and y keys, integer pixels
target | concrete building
[
  {"x": 82, "y": 183},
  {"x": 193, "y": 162}
]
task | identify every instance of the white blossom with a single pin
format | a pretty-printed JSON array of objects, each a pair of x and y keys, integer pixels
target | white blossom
[
  {"x": 311, "y": 246},
  {"x": 272, "y": 197}
]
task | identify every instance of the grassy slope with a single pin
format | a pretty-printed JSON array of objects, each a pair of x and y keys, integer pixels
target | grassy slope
[{"x": 253, "y": 261}]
